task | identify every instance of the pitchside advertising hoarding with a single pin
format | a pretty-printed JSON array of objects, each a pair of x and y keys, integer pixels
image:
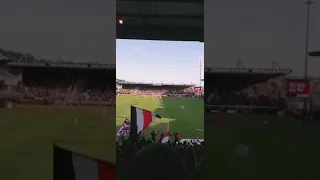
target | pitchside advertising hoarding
[
  {"x": 198, "y": 89},
  {"x": 298, "y": 88}
]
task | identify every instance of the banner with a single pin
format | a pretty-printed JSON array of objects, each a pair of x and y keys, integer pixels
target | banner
[
  {"x": 198, "y": 89},
  {"x": 298, "y": 88}
]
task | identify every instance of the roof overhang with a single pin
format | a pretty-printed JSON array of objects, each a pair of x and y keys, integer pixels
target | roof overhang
[
  {"x": 235, "y": 79},
  {"x": 157, "y": 84},
  {"x": 160, "y": 20}
]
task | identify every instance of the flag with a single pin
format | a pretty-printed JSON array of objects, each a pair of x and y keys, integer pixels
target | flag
[
  {"x": 123, "y": 131},
  {"x": 176, "y": 136},
  {"x": 143, "y": 118},
  {"x": 165, "y": 138},
  {"x": 124, "y": 128},
  {"x": 68, "y": 165}
]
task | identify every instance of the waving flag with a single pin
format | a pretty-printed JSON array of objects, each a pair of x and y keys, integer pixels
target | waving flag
[
  {"x": 143, "y": 118},
  {"x": 68, "y": 165},
  {"x": 165, "y": 138},
  {"x": 124, "y": 128}
]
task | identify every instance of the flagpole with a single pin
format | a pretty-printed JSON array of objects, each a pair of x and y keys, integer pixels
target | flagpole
[
  {"x": 200, "y": 69},
  {"x": 133, "y": 131},
  {"x": 306, "y": 56},
  {"x": 306, "y": 59}
]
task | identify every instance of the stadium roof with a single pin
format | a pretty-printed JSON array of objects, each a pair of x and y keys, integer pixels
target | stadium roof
[
  {"x": 213, "y": 70},
  {"x": 173, "y": 20},
  {"x": 12, "y": 58},
  {"x": 235, "y": 79},
  {"x": 50, "y": 64},
  {"x": 120, "y": 81},
  {"x": 158, "y": 84}
]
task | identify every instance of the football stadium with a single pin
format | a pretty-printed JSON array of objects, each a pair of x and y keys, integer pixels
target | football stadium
[
  {"x": 45, "y": 102},
  {"x": 179, "y": 122},
  {"x": 181, "y": 113},
  {"x": 259, "y": 128},
  {"x": 180, "y": 110}
]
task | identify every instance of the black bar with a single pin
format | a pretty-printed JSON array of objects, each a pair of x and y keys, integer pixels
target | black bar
[
  {"x": 166, "y": 1},
  {"x": 171, "y": 16},
  {"x": 166, "y": 33}
]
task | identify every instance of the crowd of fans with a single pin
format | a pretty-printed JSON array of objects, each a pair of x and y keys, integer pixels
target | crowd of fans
[
  {"x": 55, "y": 86},
  {"x": 73, "y": 95},
  {"x": 270, "y": 93},
  {"x": 149, "y": 159},
  {"x": 43, "y": 87},
  {"x": 156, "y": 90}
]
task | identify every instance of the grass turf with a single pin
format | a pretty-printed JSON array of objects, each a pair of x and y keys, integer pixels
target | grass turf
[
  {"x": 179, "y": 120},
  {"x": 27, "y": 135},
  {"x": 280, "y": 149}
]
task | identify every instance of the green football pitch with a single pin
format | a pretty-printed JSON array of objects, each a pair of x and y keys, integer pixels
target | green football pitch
[
  {"x": 27, "y": 135},
  {"x": 188, "y": 121},
  {"x": 277, "y": 148}
]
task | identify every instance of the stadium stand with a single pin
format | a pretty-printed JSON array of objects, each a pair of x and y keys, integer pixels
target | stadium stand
[
  {"x": 258, "y": 90},
  {"x": 158, "y": 89},
  {"x": 29, "y": 81},
  {"x": 242, "y": 88}
]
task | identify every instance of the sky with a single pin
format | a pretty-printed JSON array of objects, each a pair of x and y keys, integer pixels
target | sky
[
  {"x": 159, "y": 61},
  {"x": 259, "y": 32},
  {"x": 76, "y": 30},
  {"x": 254, "y": 31},
  {"x": 80, "y": 31}
]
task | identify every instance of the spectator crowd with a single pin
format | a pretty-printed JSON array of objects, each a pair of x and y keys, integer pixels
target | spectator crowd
[
  {"x": 156, "y": 90},
  {"x": 55, "y": 86},
  {"x": 73, "y": 95},
  {"x": 270, "y": 93},
  {"x": 148, "y": 159}
]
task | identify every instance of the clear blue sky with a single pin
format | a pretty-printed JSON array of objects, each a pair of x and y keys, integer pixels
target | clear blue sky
[{"x": 159, "y": 61}]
